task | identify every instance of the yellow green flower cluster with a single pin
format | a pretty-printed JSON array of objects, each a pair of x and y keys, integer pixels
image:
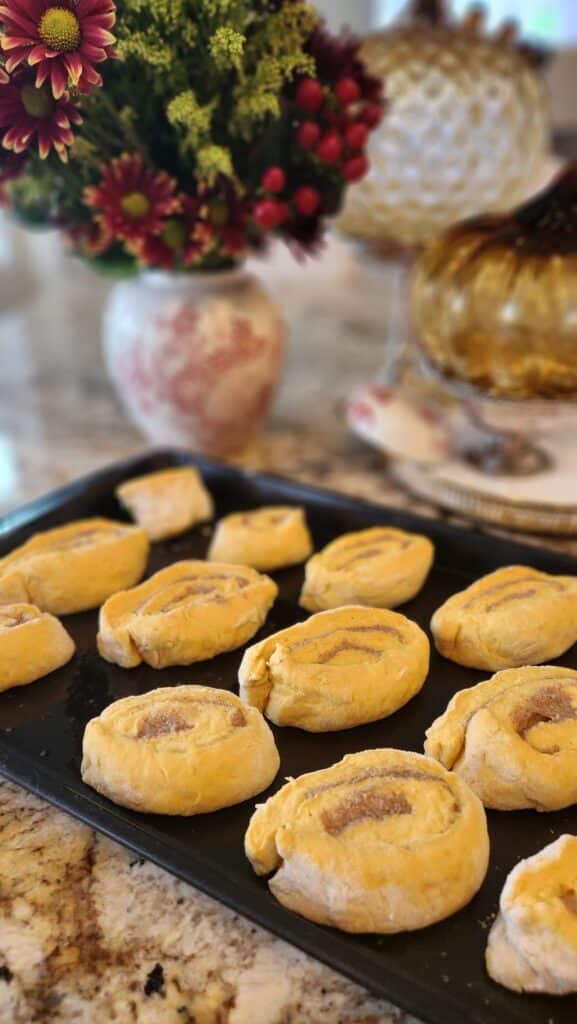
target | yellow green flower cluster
[{"x": 209, "y": 125}]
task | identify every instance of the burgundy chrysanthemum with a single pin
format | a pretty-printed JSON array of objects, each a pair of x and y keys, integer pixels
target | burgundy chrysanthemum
[
  {"x": 213, "y": 220},
  {"x": 27, "y": 112},
  {"x": 62, "y": 40},
  {"x": 183, "y": 241},
  {"x": 132, "y": 202}
]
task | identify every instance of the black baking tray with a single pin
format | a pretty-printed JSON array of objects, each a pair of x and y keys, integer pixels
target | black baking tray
[{"x": 437, "y": 973}]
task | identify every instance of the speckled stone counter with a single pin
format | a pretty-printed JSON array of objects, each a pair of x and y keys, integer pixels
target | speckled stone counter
[{"x": 87, "y": 932}]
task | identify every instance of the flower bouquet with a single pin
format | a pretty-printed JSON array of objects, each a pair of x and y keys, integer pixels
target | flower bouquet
[{"x": 178, "y": 135}]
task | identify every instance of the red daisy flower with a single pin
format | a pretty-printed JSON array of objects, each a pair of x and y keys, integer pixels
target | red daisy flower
[
  {"x": 183, "y": 240},
  {"x": 132, "y": 202},
  {"x": 26, "y": 111},
  {"x": 63, "y": 40}
]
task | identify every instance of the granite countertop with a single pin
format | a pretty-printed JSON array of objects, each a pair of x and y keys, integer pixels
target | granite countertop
[{"x": 87, "y": 932}]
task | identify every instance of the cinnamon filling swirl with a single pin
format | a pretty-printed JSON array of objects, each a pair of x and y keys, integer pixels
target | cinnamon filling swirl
[
  {"x": 569, "y": 900},
  {"x": 201, "y": 586},
  {"x": 366, "y": 805},
  {"x": 373, "y": 548},
  {"x": 162, "y": 723},
  {"x": 262, "y": 524},
  {"x": 550, "y": 704},
  {"x": 534, "y": 582},
  {"x": 167, "y": 722},
  {"x": 385, "y": 630},
  {"x": 85, "y": 537},
  {"x": 379, "y": 773}
]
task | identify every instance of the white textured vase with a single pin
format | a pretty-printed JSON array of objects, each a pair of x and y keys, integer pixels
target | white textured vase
[{"x": 195, "y": 358}]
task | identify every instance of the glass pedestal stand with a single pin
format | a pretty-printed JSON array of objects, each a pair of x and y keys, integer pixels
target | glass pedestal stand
[{"x": 507, "y": 463}]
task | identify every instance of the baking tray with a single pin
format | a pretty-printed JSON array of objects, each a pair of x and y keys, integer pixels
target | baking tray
[{"x": 437, "y": 973}]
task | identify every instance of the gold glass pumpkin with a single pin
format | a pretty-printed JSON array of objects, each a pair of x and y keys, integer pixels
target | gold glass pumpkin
[
  {"x": 466, "y": 129},
  {"x": 495, "y": 299}
]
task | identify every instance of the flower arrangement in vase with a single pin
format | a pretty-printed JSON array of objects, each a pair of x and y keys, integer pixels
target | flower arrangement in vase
[{"x": 170, "y": 136}]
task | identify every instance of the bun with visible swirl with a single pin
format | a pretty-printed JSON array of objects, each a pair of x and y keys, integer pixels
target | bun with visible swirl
[
  {"x": 179, "y": 750},
  {"x": 189, "y": 612},
  {"x": 512, "y": 617},
  {"x": 267, "y": 538},
  {"x": 338, "y": 669},
  {"x": 380, "y": 567},
  {"x": 74, "y": 568},
  {"x": 513, "y": 738},
  {"x": 384, "y": 841},
  {"x": 32, "y": 644}
]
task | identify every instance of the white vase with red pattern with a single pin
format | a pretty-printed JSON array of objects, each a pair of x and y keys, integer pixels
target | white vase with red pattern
[{"x": 195, "y": 358}]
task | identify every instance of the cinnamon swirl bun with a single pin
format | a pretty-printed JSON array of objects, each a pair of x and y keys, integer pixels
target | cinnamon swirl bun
[
  {"x": 338, "y": 669},
  {"x": 512, "y": 617},
  {"x": 75, "y": 567},
  {"x": 380, "y": 567},
  {"x": 179, "y": 750},
  {"x": 189, "y": 612},
  {"x": 384, "y": 841},
  {"x": 513, "y": 738},
  {"x": 32, "y": 644},
  {"x": 265, "y": 538}
]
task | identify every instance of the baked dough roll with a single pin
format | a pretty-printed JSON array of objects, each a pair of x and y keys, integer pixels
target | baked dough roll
[
  {"x": 266, "y": 538},
  {"x": 384, "y": 841},
  {"x": 338, "y": 669},
  {"x": 32, "y": 644},
  {"x": 512, "y": 617},
  {"x": 380, "y": 567},
  {"x": 513, "y": 738},
  {"x": 168, "y": 502},
  {"x": 179, "y": 750},
  {"x": 75, "y": 567},
  {"x": 533, "y": 943},
  {"x": 189, "y": 612}
]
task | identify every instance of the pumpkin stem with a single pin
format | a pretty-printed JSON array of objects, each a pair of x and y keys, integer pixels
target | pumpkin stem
[
  {"x": 432, "y": 11},
  {"x": 550, "y": 219}
]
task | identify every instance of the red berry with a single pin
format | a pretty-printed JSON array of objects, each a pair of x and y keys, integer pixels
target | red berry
[
  {"x": 356, "y": 135},
  {"x": 307, "y": 200},
  {"x": 266, "y": 214},
  {"x": 355, "y": 168},
  {"x": 308, "y": 134},
  {"x": 283, "y": 213},
  {"x": 274, "y": 179},
  {"x": 347, "y": 91},
  {"x": 330, "y": 148},
  {"x": 372, "y": 114},
  {"x": 309, "y": 94}
]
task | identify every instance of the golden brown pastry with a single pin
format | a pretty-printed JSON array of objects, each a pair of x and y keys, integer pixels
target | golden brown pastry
[
  {"x": 266, "y": 538},
  {"x": 338, "y": 669},
  {"x": 75, "y": 567},
  {"x": 179, "y": 750},
  {"x": 512, "y": 617},
  {"x": 168, "y": 502},
  {"x": 32, "y": 644},
  {"x": 189, "y": 612},
  {"x": 513, "y": 738},
  {"x": 533, "y": 944},
  {"x": 384, "y": 841},
  {"x": 380, "y": 567}
]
